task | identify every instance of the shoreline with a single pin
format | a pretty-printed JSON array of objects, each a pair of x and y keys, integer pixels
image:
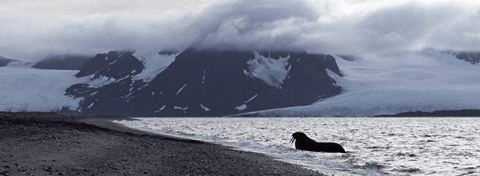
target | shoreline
[
  {"x": 35, "y": 143},
  {"x": 439, "y": 113}
]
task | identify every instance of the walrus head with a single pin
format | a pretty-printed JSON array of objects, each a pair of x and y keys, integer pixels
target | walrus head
[{"x": 298, "y": 135}]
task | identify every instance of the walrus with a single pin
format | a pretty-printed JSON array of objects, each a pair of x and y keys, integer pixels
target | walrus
[{"x": 303, "y": 142}]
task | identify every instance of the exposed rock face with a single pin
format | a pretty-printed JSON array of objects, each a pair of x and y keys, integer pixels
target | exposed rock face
[
  {"x": 62, "y": 62},
  {"x": 4, "y": 61},
  {"x": 331, "y": 64},
  {"x": 206, "y": 83},
  {"x": 472, "y": 57},
  {"x": 115, "y": 64}
]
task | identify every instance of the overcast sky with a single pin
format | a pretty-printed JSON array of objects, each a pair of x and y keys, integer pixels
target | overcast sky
[{"x": 30, "y": 30}]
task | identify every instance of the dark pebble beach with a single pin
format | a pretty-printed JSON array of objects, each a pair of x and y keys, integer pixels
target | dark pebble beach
[{"x": 33, "y": 143}]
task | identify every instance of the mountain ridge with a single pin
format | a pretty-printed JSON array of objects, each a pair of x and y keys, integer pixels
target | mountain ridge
[
  {"x": 195, "y": 82},
  {"x": 62, "y": 62},
  {"x": 4, "y": 61},
  {"x": 209, "y": 83}
]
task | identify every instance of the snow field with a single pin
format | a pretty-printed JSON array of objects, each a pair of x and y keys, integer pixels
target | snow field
[
  {"x": 27, "y": 89},
  {"x": 391, "y": 84}
]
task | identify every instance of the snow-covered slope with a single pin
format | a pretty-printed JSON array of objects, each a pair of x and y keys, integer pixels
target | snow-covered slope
[
  {"x": 395, "y": 83},
  {"x": 20, "y": 64},
  {"x": 27, "y": 89},
  {"x": 4, "y": 61},
  {"x": 23, "y": 88},
  {"x": 154, "y": 63}
]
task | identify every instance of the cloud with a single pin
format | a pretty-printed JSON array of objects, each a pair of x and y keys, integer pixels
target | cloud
[
  {"x": 349, "y": 27},
  {"x": 253, "y": 24},
  {"x": 414, "y": 26},
  {"x": 33, "y": 30},
  {"x": 328, "y": 26}
]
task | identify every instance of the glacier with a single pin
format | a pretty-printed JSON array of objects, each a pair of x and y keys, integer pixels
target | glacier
[
  {"x": 394, "y": 83},
  {"x": 154, "y": 63},
  {"x": 28, "y": 89}
]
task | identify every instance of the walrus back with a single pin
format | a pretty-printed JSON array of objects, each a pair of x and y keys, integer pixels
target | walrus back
[
  {"x": 305, "y": 144},
  {"x": 329, "y": 147}
]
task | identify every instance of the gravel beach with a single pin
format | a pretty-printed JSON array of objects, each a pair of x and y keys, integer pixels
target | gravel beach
[{"x": 52, "y": 144}]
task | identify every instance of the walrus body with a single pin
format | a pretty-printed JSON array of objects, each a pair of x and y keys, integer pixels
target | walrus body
[{"x": 303, "y": 142}]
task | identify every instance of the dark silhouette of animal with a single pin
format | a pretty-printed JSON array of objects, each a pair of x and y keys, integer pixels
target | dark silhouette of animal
[{"x": 303, "y": 142}]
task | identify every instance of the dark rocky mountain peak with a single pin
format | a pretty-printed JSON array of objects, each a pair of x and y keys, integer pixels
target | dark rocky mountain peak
[
  {"x": 471, "y": 57},
  {"x": 62, "y": 62},
  {"x": 4, "y": 61},
  {"x": 114, "y": 64},
  {"x": 209, "y": 83}
]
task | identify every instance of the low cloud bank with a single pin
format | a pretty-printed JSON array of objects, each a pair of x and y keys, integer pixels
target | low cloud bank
[{"x": 330, "y": 26}]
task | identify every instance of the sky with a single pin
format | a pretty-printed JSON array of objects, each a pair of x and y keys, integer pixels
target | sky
[{"x": 31, "y": 30}]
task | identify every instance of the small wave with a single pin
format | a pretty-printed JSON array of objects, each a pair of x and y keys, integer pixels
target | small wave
[
  {"x": 369, "y": 168},
  {"x": 377, "y": 147},
  {"x": 426, "y": 135},
  {"x": 471, "y": 168},
  {"x": 408, "y": 170},
  {"x": 469, "y": 173},
  {"x": 250, "y": 144},
  {"x": 406, "y": 154},
  {"x": 181, "y": 133},
  {"x": 466, "y": 154},
  {"x": 373, "y": 166},
  {"x": 426, "y": 141}
]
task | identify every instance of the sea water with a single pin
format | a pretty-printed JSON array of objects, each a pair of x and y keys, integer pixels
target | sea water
[{"x": 375, "y": 146}]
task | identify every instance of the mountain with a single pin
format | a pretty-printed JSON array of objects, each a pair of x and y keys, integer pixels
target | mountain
[
  {"x": 202, "y": 82},
  {"x": 426, "y": 81},
  {"x": 57, "y": 62},
  {"x": 247, "y": 83},
  {"x": 471, "y": 57},
  {"x": 62, "y": 62},
  {"x": 114, "y": 64},
  {"x": 4, "y": 61},
  {"x": 27, "y": 89}
]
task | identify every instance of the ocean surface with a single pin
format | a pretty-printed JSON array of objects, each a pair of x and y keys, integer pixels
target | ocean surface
[{"x": 375, "y": 146}]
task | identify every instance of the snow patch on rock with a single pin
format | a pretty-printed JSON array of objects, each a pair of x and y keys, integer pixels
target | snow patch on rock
[
  {"x": 269, "y": 70},
  {"x": 154, "y": 63}
]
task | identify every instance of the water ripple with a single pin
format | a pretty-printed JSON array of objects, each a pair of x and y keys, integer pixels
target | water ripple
[{"x": 375, "y": 146}]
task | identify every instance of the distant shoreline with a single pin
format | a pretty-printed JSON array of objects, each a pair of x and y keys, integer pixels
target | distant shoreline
[
  {"x": 37, "y": 143},
  {"x": 441, "y": 113}
]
